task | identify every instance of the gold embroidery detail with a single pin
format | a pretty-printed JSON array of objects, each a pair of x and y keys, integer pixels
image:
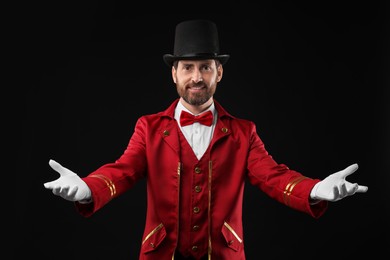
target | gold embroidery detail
[
  {"x": 232, "y": 230},
  {"x": 108, "y": 182},
  {"x": 179, "y": 167},
  {"x": 153, "y": 232},
  {"x": 289, "y": 188},
  {"x": 210, "y": 249}
]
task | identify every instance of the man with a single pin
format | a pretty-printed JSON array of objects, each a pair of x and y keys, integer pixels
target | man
[{"x": 196, "y": 158}]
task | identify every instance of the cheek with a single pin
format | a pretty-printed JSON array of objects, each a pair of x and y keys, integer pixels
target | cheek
[
  {"x": 182, "y": 80},
  {"x": 215, "y": 80}
]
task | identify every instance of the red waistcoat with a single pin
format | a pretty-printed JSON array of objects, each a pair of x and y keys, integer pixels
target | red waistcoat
[
  {"x": 236, "y": 153},
  {"x": 194, "y": 215}
]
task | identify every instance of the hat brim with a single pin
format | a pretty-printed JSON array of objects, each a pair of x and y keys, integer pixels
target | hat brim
[{"x": 169, "y": 58}]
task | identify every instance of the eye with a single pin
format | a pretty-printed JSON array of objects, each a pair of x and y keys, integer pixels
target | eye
[{"x": 206, "y": 67}]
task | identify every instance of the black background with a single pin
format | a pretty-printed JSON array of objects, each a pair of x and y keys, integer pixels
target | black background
[{"x": 313, "y": 77}]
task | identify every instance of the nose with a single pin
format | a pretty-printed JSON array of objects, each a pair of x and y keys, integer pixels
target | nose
[{"x": 197, "y": 76}]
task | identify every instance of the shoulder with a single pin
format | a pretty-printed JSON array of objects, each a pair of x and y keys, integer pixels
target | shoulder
[
  {"x": 167, "y": 113},
  {"x": 154, "y": 120},
  {"x": 242, "y": 124},
  {"x": 225, "y": 116}
]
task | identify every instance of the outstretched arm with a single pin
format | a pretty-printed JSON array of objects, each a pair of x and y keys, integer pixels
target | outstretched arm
[
  {"x": 69, "y": 185},
  {"x": 335, "y": 187}
]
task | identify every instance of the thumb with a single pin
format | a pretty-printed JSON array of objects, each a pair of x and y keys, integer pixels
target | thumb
[{"x": 59, "y": 168}]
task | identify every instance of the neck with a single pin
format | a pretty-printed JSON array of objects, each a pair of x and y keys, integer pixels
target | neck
[{"x": 197, "y": 109}]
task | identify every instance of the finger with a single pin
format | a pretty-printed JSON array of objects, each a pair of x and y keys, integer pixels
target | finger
[
  {"x": 72, "y": 192},
  {"x": 351, "y": 189},
  {"x": 56, "y": 190},
  {"x": 336, "y": 193},
  {"x": 362, "y": 188},
  {"x": 59, "y": 168},
  {"x": 343, "y": 191},
  {"x": 349, "y": 170},
  {"x": 64, "y": 190}
]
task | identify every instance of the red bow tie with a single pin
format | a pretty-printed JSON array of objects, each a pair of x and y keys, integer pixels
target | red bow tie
[{"x": 205, "y": 118}]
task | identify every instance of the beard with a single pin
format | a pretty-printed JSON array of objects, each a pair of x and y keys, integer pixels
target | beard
[{"x": 196, "y": 99}]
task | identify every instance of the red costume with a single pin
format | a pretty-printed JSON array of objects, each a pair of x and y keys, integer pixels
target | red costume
[{"x": 195, "y": 206}]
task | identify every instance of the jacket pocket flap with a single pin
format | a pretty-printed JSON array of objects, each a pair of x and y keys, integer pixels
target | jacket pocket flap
[
  {"x": 232, "y": 239},
  {"x": 154, "y": 239}
]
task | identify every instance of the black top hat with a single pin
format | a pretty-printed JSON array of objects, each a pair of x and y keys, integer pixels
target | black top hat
[{"x": 196, "y": 40}]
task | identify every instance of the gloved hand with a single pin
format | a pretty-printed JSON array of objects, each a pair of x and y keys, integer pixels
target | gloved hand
[
  {"x": 335, "y": 187},
  {"x": 69, "y": 185}
]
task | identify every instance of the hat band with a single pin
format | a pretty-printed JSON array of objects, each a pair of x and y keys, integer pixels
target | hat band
[{"x": 190, "y": 55}]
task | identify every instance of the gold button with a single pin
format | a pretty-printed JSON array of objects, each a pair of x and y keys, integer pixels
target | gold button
[
  {"x": 224, "y": 129},
  {"x": 166, "y": 133},
  {"x": 198, "y": 188},
  {"x": 197, "y": 169},
  {"x": 194, "y": 248},
  {"x": 196, "y": 209},
  {"x": 230, "y": 242},
  {"x": 152, "y": 245},
  {"x": 195, "y": 228}
]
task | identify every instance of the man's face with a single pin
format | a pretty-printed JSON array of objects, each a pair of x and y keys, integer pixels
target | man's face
[{"x": 196, "y": 80}]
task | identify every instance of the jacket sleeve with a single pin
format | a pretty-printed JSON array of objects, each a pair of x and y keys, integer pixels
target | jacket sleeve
[
  {"x": 113, "y": 179},
  {"x": 278, "y": 181}
]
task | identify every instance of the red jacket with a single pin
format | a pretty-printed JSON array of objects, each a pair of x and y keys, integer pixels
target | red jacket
[{"x": 236, "y": 153}]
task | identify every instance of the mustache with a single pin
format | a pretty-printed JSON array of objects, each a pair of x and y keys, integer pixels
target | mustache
[{"x": 199, "y": 84}]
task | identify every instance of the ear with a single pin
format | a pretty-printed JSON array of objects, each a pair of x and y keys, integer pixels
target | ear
[
  {"x": 219, "y": 73},
  {"x": 174, "y": 74}
]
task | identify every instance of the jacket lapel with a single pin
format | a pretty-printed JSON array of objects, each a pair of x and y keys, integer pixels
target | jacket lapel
[{"x": 169, "y": 128}]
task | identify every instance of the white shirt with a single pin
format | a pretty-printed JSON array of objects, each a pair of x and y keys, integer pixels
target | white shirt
[{"x": 198, "y": 136}]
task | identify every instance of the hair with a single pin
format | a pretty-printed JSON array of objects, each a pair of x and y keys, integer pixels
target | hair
[{"x": 176, "y": 62}]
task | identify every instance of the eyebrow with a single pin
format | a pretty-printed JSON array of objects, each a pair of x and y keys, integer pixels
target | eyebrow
[{"x": 187, "y": 63}]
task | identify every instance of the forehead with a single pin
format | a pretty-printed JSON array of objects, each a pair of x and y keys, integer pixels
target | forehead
[{"x": 209, "y": 62}]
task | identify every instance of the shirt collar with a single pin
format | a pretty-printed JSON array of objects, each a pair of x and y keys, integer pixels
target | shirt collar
[{"x": 180, "y": 107}]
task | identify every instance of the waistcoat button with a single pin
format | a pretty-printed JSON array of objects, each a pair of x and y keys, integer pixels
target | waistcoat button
[{"x": 198, "y": 188}]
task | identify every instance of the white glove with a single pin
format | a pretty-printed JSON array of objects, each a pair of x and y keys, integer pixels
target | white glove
[
  {"x": 69, "y": 185},
  {"x": 335, "y": 187}
]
